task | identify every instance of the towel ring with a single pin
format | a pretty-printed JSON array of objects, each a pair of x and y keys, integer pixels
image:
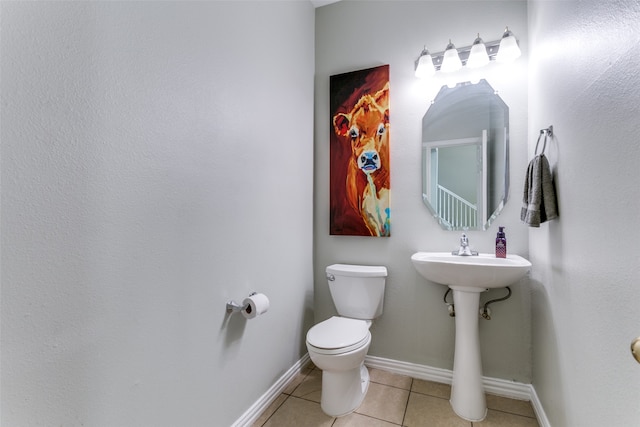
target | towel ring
[{"x": 546, "y": 132}]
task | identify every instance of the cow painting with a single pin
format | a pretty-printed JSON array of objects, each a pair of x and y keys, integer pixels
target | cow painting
[{"x": 360, "y": 174}]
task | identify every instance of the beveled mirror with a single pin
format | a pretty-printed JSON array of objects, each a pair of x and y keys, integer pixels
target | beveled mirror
[{"x": 465, "y": 156}]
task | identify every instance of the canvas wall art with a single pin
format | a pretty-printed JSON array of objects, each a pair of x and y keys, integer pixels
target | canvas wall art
[{"x": 359, "y": 153}]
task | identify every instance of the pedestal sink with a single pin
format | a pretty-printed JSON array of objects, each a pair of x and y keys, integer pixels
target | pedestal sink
[{"x": 468, "y": 276}]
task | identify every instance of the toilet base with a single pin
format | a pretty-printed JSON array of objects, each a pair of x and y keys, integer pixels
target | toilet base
[{"x": 344, "y": 391}]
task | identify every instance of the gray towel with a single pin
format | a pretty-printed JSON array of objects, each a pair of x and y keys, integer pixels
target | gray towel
[{"x": 539, "y": 202}]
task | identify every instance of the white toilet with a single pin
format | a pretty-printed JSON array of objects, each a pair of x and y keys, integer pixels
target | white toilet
[{"x": 339, "y": 345}]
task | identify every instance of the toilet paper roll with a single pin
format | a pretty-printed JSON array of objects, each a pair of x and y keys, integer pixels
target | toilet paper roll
[{"x": 255, "y": 305}]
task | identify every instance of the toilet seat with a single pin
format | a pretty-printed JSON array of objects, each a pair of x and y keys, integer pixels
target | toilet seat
[{"x": 338, "y": 335}]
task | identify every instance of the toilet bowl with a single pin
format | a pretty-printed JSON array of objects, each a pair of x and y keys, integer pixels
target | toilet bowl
[{"x": 339, "y": 345}]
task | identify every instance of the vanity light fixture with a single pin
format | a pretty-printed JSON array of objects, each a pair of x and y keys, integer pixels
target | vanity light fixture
[{"x": 477, "y": 55}]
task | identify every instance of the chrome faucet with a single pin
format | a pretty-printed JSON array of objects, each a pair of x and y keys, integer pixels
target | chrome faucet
[{"x": 464, "y": 249}]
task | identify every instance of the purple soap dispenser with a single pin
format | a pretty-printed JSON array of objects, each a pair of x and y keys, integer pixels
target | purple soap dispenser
[{"x": 501, "y": 244}]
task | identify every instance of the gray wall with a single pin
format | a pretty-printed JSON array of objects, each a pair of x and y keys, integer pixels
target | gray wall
[
  {"x": 584, "y": 80},
  {"x": 415, "y": 326},
  {"x": 155, "y": 163}
]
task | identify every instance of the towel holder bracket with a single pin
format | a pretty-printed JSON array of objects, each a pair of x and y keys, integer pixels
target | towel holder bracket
[{"x": 548, "y": 132}]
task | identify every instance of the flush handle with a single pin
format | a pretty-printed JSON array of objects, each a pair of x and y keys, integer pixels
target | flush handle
[
  {"x": 635, "y": 349},
  {"x": 331, "y": 277}
]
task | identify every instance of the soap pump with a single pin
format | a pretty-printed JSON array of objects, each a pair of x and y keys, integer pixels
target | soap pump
[{"x": 501, "y": 244}]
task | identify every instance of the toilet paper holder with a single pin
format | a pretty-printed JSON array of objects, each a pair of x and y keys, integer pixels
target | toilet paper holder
[{"x": 234, "y": 307}]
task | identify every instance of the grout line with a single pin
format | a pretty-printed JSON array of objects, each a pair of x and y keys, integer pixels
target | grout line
[
  {"x": 406, "y": 406},
  {"x": 431, "y": 395},
  {"x": 276, "y": 410},
  {"x": 300, "y": 383},
  {"x": 513, "y": 413},
  {"x": 376, "y": 418},
  {"x": 392, "y": 386}
]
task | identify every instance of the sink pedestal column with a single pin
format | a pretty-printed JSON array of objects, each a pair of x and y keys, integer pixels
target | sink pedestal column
[{"x": 467, "y": 393}]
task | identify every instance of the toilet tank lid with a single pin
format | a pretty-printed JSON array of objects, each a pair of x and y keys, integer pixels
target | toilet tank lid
[{"x": 357, "y": 270}]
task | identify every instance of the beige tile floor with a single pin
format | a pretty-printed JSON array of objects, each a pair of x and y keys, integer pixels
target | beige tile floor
[{"x": 392, "y": 400}]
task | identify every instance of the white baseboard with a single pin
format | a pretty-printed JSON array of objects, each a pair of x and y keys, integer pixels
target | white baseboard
[
  {"x": 510, "y": 389},
  {"x": 538, "y": 409},
  {"x": 504, "y": 388},
  {"x": 254, "y": 412},
  {"x": 413, "y": 370}
]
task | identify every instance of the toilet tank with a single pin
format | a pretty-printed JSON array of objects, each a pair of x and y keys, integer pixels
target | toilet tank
[{"x": 357, "y": 290}]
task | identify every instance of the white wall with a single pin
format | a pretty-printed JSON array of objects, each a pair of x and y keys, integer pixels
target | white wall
[
  {"x": 155, "y": 163},
  {"x": 584, "y": 80},
  {"x": 415, "y": 326}
]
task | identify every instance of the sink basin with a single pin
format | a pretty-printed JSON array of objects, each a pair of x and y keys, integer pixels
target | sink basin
[{"x": 482, "y": 271}]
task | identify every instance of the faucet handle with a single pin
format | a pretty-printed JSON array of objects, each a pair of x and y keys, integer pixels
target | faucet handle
[{"x": 464, "y": 249}]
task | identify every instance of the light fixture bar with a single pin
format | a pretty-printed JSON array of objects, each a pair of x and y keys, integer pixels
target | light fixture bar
[{"x": 463, "y": 52}]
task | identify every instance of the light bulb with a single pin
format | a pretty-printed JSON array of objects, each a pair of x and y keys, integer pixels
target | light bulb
[
  {"x": 424, "y": 67},
  {"x": 509, "y": 49},
  {"x": 478, "y": 56},
  {"x": 451, "y": 60}
]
